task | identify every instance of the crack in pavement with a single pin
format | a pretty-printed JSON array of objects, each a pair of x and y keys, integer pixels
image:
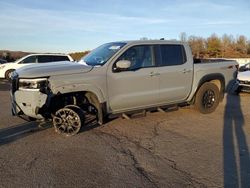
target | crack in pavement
[
  {"x": 125, "y": 141},
  {"x": 29, "y": 164},
  {"x": 138, "y": 167},
  {"x": 127, "y": 152}
]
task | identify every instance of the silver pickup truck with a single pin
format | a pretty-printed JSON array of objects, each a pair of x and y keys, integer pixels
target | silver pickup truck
[{"x": 119, "y": 78}]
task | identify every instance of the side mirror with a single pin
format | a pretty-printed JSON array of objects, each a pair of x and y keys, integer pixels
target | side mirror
[{"x": 123, "y": 65}]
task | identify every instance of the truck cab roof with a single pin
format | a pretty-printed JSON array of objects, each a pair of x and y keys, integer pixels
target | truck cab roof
[{"x": 135, "y": 42}]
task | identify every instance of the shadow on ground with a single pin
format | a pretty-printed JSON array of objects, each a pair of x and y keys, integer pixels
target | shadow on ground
[
  {"x": 236, "y": 152},
  {"x": 4, "y": 85},
  {"x": 17, "y": 132},
  {"x": 14, "y": 133}
]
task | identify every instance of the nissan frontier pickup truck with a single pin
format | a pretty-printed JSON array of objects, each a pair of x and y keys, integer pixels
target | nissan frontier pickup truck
[{"x": 119, "y": 78}]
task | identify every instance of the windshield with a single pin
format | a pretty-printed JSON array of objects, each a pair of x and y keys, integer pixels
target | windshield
[
  {"x": 102, "y": 54},
  {"x": 18, "y": 60}
]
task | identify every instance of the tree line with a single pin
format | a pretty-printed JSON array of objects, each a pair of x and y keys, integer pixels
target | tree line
[
  {"x": 226, "y": 46},
  {"x": 214, "y": 46},
  {"x": 78, "y": 55}
]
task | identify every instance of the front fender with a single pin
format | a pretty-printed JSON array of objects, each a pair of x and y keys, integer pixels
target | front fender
[{"x": 69, "y": 88}]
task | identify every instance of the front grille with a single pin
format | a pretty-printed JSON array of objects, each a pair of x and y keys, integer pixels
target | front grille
[{"x": 14, "y": 83}]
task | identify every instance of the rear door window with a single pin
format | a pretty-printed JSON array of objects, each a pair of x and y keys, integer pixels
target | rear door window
[
  {"x": 60, "y": 58},
  {"x": 44, "y": 59},
  {"x": 172, "y": 55}
]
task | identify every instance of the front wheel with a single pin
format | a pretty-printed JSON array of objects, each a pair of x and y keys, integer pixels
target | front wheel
[
  {"x": 207, "y": 98},
  {"x": 68, "y": 121}
]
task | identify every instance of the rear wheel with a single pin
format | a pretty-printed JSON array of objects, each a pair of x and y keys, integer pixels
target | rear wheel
[
  {"x": 8, "y": 74},
  {"x": 68, "y": 120},
  {"x": 207, "y": 98}
]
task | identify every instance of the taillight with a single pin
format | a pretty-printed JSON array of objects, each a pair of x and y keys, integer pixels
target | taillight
[
  {"x": 237, "y": 67},
  {"x": 232, "y": 66}
]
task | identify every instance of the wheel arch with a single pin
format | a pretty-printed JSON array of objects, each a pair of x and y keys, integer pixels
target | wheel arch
[
  {"x": 59, "y": 100},
  {"x": 217, "y": 79},
  {"x": 74, "y": 88},
  {"x": 7, "y": 71}
]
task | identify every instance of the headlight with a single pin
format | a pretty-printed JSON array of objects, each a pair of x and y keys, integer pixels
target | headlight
[
  {"x": 1, "y": 67},
  {"x": 39, "y": 84}
]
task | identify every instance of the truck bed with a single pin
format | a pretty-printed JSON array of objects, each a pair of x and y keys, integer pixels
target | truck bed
[
  {"x": 197, "y": 61},
  {"x": 206, "y": 67},
  {"x": 217, "y": 66}
]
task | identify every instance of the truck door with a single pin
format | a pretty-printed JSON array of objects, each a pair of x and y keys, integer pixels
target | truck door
[
  {"x": 136, "y": 87},
  {"x": 176, "y": 73}
]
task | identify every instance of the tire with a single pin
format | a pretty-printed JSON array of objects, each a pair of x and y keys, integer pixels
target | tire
[
  {"x": 207, "y": 98},
  {"x": 68, "y": 121},
  {"x": 8, "y": 74}
]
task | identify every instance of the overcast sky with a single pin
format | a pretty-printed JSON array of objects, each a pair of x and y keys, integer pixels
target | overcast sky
[{"x": 78, "y": 25}]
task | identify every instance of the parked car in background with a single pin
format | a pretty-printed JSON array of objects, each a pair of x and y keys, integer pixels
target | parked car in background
[
  {"x": 2, "y": 61},
  {"x": 245, "y": 67},
  {"x": 7, "y": 68},
  {"x": 244, "y": 78}
]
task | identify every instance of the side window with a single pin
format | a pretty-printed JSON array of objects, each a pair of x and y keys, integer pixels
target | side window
[
  {"x": 60, "y": 58},
  {"x": 172, "y": 55},
  {"x": 30, "y": 59},
  {"x": 139, "y": 56},
  {"x": 44, "y": 58}
]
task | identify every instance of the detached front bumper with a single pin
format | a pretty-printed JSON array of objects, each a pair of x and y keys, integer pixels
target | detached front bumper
[{"x": 28, "y": 103}]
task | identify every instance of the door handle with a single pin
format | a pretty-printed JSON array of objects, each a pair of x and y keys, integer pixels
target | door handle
[
  {"x": 154, "y": 74},
  {"x": 186, "y": 71}
]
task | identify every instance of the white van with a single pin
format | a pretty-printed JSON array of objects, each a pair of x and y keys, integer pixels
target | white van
[{"x": 7, "y": 68}]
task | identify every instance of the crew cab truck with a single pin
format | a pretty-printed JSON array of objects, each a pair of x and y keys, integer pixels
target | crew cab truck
[{"x": 119, "y": 78}]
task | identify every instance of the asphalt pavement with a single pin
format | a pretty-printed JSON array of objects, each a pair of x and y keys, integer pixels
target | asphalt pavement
[{"x": 179, "y": 148}]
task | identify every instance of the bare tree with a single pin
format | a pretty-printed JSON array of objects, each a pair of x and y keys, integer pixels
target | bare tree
[
  {"x": 197, "y": 45},
  {"x": 183, "y": 37},
  {"x": 214, "y": 46},
  {"x": 241, "y": 46}
]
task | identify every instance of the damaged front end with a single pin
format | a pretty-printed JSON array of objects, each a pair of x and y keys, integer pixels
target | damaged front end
[{"x": 29, "y": 96}]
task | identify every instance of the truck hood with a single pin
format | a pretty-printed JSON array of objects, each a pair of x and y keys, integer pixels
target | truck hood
[
  {"x": 244, "y": 75},
  {"x": 52, "y": 69}
]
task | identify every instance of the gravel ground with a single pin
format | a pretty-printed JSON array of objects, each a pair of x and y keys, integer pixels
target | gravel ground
[{"x": 181, "y": 148}]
